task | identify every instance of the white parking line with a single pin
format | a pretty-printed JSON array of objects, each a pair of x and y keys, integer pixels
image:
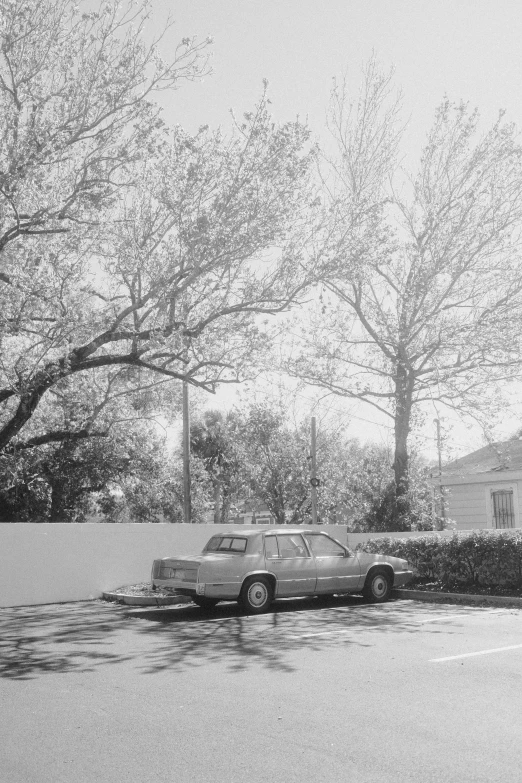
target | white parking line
[
  {"x": 453, "y": 616},
  {"x": 337, "y": 632},
  {"x": 443, "y": 618},
  {"x": 480, "y": 652}
]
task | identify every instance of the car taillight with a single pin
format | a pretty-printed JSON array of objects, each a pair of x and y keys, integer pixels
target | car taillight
[{"x": 182, "y": 574}]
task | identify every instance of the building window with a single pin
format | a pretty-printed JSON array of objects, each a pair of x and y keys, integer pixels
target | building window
[{"x": 503, "y": 509}]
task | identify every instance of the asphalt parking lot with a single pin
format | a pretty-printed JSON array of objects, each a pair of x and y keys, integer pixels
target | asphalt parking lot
[{"x": 315, "y": 690}]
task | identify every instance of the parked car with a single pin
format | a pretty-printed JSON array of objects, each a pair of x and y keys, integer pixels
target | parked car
[{"x": 255, "y": 566}]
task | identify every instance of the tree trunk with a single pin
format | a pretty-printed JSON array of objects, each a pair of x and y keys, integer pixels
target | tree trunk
[
  {"x": 57, "y": 497},
  {"x": 26, "y": 407},
  {"x": 225, "y": 508},
  {"x": 404, "y": 381},
  {"x": 217, "y": 501}
]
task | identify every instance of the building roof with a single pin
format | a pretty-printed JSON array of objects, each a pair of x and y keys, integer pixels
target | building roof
[{"x": 493, "y": 458}]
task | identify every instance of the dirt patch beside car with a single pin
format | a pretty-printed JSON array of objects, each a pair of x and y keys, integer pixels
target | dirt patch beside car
[
  {"x": 142, "y": 594},
  {"x": 434, "y": 586}
]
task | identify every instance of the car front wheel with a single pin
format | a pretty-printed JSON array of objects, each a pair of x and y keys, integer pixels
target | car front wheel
[
  {"x": 256, "y": 595},
  {"x": 378, "y": 586}
]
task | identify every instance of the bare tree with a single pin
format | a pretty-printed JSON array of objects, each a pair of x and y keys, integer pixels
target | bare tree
[{"x": 425, "y": 301}]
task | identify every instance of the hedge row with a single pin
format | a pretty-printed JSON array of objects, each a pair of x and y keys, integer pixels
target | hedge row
[{"x": 485, "y": 557}]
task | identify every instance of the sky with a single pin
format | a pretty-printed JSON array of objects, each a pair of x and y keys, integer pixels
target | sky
[{"x": 464, "y": 49}]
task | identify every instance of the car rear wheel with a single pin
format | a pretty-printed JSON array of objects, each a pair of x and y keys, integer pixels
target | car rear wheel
[
  {"x": 256, "y": 595},
  {"x": 378, "y": 586},
  {"x": 205, "y": 603}
]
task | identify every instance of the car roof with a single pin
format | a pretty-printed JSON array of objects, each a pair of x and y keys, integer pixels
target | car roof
[{"x": 271, "y": 529}]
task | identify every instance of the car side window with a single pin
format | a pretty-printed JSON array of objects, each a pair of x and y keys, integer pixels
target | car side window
[
  {"x": 291, "y": 546},
  {"x": 322, "y": 546},
  {"x": 271, "y": 549}
]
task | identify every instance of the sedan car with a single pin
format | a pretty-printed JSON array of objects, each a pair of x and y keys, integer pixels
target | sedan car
[{"x": 254, "y": 567}]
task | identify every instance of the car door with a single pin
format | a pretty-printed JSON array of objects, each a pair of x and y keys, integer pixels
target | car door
[
  {"x": 337, "y": 570},
  {"x": 289, "y": 559}
]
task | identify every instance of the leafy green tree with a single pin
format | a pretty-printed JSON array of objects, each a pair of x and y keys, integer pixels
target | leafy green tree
[
  {"x": 214, "y": 441},
  {"x": 69, "y": 480},
  {"x": 277, "y": 464},
  {"x": 380, "y": 514},
  {"x": 105, "y": 446},
  {"x": 353, "y": 478},
  {"x": 124, "y": 244},
  {"x": 150, "y": 489},
  {"x": 257, "y": 452}
]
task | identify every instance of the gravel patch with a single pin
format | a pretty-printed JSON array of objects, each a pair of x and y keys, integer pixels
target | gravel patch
[
  {"x": 142, "y": 588},
  {"x": 465, "y": 589},
  {"x": 142, "y": 594}
]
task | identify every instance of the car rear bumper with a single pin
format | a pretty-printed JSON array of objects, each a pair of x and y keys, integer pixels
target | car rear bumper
[
  {"x": 222, "y": 590},
  {"x": 175, "y": 586}
]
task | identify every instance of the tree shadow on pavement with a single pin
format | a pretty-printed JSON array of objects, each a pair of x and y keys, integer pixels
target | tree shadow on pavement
[
  {"x": 57, "y": 638},
  {"x": 193, "y": 638},
  {"x": 81, "y": 637}
]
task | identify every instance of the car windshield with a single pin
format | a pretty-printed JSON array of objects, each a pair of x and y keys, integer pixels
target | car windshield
[{"x": 226, "y": 544}]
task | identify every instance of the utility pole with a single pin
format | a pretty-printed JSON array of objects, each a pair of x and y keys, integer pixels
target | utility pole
[
  {"x": 187, "y": 501},
  {"x": 439, "y": 450},
  {"x": 314, "y": 481}
]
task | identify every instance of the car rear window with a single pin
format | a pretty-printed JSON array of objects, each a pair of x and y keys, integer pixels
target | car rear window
[{"x": 226, "y": 544}]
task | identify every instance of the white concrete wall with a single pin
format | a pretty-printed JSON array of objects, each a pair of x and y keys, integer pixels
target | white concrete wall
[{"x": 53, "y": 563}]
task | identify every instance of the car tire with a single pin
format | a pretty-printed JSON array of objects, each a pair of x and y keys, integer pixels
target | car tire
[
  {"x": 205, "y": 603},
  {"x": 256, "y": 595},
  {"x": 378, "y": 586}
]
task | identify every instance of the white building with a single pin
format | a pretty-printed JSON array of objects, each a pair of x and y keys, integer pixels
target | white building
[{"x": 484, "y": 489}]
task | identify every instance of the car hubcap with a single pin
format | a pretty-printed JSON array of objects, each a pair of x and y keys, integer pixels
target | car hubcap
[
  {"x": 257, "y": 594},
  {"x": 379, "y": 586}
]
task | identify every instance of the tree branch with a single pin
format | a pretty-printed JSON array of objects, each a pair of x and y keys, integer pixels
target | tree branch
[{"x": 57, "y": 436}]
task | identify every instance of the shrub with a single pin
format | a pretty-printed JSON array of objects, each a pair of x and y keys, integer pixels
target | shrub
[
  {"x": 414, "y": 511},
  {"x": 485, "y": 557}
]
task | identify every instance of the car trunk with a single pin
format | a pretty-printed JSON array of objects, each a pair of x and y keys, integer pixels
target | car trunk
[
  {"x": 185, "y": 569},
  {"x": 174, "y": 568}
]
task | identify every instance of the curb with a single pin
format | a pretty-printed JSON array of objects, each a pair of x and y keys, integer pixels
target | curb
[
  {"x": 414, "y": 595},
  {"x": 458, "y": 598},
  {"x": 146, "y": 600}
]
